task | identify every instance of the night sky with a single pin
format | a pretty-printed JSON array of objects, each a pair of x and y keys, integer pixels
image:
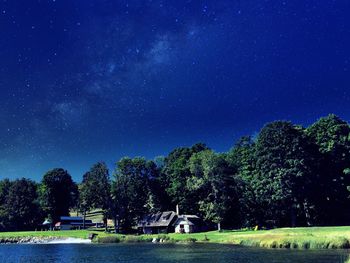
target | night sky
[{"x": 94, "y": 80}]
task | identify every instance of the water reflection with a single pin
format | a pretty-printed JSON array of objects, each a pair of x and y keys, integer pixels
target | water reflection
[{"x": 149, "y": 253}]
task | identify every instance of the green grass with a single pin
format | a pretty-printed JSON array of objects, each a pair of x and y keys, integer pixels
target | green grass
[
  {"x": 313, "y": 238},
  {"x": 94, "y": 215},
  {"x": 296, "y": 238},
  {"x": 64, "y": 234}
]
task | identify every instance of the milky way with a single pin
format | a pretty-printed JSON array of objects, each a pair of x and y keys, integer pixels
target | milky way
[{"x": 86, "y": 81}]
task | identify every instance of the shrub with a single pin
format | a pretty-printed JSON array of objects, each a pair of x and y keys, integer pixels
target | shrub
[
  {"x": 206, "y": 239},
  {"x": 132, "y": 239},
  {"x": 108, "y": 239},
  {"x": 191, "y": 239}
]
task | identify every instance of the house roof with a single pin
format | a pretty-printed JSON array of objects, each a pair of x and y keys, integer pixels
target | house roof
[
  {"x": 87, "y": 222},
  {"x": 71, "y": 218},
  {"x": 47, "y": 222},
  {"x": 190, "y": 219},
  {"x": 160, "y": 219}
]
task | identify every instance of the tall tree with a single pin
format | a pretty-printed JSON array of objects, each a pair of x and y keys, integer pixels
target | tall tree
[
  {"x": 332, "y": 137},
  {"x": 21, "y": 206},
  {"x": 284, "y": 164},
  {"x": 175, "y": 173},
  {"x": 5, "y": 186},
  {"x": 214, "y": 188},
  {"x": 58, "y": 193},
  {"x": 95, "y": 190},
  {"x": 242, "y": 158},
  {"x": 84, "y": 201},
  {"x": 131, "y": 190}
]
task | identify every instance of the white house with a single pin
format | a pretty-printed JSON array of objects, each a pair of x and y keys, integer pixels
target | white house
[
  {"x": 187, "y": 224},
  {"x": 170, "y": 221}
]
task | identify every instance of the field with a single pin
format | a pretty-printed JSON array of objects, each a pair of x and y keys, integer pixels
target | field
[
  {"x": 313, "y": 237},
  {"x": 94, "y": 215},
  {"x": 297, "y": 238}
]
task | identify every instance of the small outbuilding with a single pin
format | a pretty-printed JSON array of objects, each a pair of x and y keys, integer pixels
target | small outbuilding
[
  {"x": 188, "y": 224},
  {"x": 47, "y": 224}
]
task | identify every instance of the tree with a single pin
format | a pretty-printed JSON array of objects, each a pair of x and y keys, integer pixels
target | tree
[
  {"x": 175, "y": 173},
  {"x": 131, "y": 190},
  {"x": 84, "y": 203},
  {"x": 242, "y": 158},
  {"x": 5, "y": 186},
  {"x": 284, "y": 173},
  {"x": 332, "y": 137},
  {"x": 58, "y": 193},
  {"x": 21, "y": 205},
  {"x": 95, "y": 190},
  {"x": 214, "y": 188}
]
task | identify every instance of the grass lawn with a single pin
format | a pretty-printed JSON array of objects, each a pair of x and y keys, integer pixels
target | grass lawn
[
  {"x": 63, "y": 234},
  {"x": 94, "y": 215},
  {"x": 313, "y": 237}
]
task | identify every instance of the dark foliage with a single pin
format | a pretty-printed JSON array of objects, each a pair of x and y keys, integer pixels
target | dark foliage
[{"x": 287, "y": 176}]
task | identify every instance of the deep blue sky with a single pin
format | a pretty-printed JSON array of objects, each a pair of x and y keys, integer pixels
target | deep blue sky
[{"x": 83, "y": 81}]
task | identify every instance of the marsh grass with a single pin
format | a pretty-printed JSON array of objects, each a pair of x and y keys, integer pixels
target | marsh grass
[{"x": 294, "y": 242}]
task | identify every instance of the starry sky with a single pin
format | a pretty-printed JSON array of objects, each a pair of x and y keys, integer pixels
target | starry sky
[{"x": 94, "y": 80}]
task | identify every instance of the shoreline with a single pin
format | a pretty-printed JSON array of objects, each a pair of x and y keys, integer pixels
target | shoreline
[
  {"x": 43, "y": 240},
  {"x": 270, "y": 243},
  {"x": 287, "y": 238}
]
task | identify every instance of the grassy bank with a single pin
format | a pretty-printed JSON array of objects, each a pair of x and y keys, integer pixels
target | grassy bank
[
  {"x": 58, "y": 234},
  {"x": 297, "y": 238}
]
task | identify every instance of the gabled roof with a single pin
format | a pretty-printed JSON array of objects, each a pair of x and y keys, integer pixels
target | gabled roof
[
  {"x": 71, "y": 218},
  {"x": 160, "y": 219},
  {"x": 47, "y": 222},
  {"x": 190, "y": 219}
]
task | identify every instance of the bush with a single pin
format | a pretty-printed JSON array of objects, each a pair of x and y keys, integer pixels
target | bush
[
  {"x": 132, "y": 239},
  {"x": 191, "y": 239},
  {"x": 109, "y": 239},
  {"x": 206, "y": 239}
]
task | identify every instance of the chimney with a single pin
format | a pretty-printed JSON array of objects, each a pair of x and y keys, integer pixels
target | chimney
[{"x": 177, "y": 210}]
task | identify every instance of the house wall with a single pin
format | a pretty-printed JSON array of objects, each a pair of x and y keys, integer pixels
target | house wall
[
  {"x": 187, "y": 227},
  {"x": 65, "y": 227},
  {"x": 157, "y": 230},
  {"x": 147, "y": 230}
]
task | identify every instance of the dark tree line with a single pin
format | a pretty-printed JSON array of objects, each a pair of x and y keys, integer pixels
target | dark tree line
[{"x": 287, "y": 176}]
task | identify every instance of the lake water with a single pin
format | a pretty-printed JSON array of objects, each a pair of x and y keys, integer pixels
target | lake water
[{"x": 155, "y": 253}]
